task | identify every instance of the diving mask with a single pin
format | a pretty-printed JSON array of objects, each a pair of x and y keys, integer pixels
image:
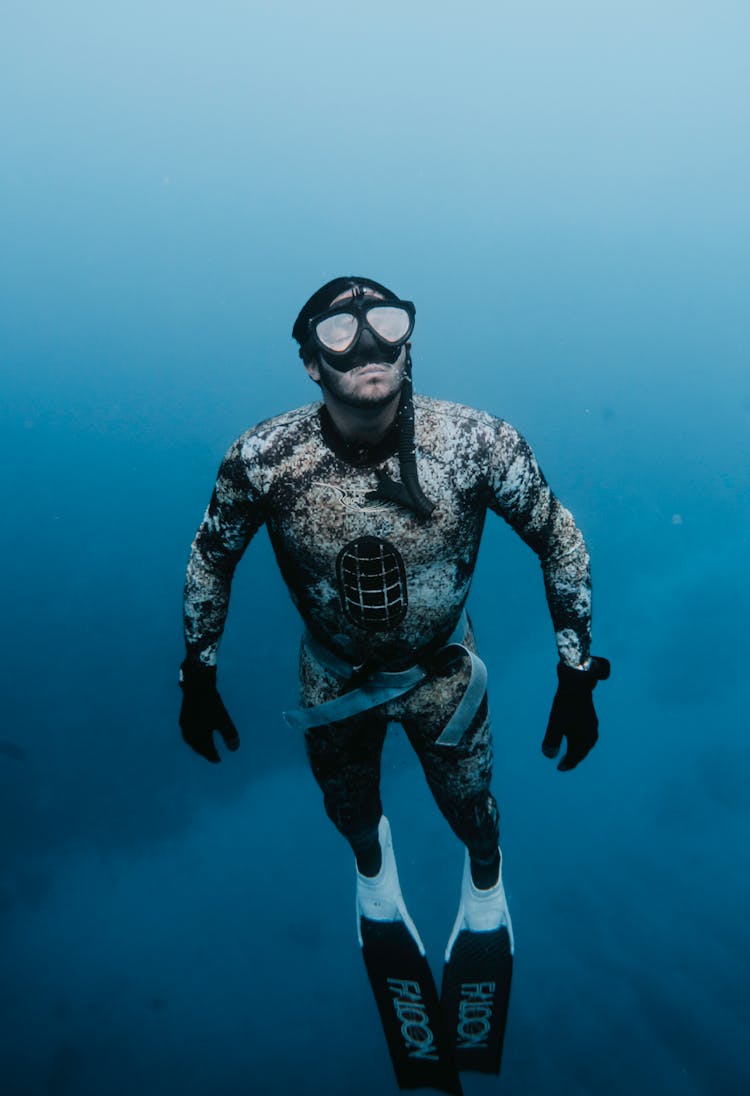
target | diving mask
[{"x": 337, "y": 331}]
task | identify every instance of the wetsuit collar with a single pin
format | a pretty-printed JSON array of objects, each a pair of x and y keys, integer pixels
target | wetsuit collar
[{"x": 359, "y": 455}]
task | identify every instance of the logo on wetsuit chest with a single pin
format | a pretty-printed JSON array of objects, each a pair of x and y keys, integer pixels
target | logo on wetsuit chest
[
  {"x": 349, "y": 498},
  {"x": 372, "y": 583}
]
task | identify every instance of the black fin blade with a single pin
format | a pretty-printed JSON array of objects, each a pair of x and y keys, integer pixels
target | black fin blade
[
  {"x": 475, "y": 995},
  {"x": 407, "y": 1001}
]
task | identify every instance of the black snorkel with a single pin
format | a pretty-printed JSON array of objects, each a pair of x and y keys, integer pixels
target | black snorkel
[{"x": 409, "y": 492}]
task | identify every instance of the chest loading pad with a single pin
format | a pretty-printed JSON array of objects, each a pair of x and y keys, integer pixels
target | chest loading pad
[{"x": 372, "y": 583}]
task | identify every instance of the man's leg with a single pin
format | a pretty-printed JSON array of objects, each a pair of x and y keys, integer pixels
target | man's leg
[
  {"x": 479, "y": 954},
  {"x": 345, "y": 760},
  {"x": 458, "y": 776}
]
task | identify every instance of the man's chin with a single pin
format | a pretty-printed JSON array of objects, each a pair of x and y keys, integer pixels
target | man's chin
[
  {"x": 369, "y": 397},
  {"x": 373, "y": 399}
]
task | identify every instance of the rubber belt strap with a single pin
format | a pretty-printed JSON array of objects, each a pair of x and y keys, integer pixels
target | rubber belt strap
[{"x": 383, "y": 686}]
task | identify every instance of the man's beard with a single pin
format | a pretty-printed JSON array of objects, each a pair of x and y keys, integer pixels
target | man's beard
[{"x": 330, "y": 380}]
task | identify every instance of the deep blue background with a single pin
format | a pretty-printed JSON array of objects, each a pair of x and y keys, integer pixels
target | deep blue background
[{"x": 562, "y": 189}]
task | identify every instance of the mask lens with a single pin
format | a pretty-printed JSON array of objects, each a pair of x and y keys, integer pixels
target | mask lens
[
  {"x": 389, "y": 324},
  {"x": 337, "y": 332}
]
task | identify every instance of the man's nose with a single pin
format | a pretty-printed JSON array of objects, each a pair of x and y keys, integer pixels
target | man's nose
[{"x": 367, "y": 342}]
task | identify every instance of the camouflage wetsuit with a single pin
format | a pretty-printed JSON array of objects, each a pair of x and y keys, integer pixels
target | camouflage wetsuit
[{"x": 379, "y": 586}]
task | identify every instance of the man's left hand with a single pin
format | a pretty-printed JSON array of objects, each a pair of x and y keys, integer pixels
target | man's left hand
[{"x": 573, "y": 716}]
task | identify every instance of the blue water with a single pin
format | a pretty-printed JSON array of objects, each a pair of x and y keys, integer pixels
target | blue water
[{"x": 562, "y": 190}]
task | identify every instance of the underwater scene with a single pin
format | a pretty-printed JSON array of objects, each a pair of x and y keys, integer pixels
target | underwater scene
[{"x": 562, "y": 191}]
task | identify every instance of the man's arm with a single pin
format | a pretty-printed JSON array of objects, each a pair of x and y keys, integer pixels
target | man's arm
[
  {"x": 234, "y": 515},
  {"x": 521, "y": 495}
]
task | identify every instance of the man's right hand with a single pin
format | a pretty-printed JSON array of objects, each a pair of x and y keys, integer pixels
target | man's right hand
[
  {"x": 573, "y": 716},
  {"x": 203, "y": 711}
]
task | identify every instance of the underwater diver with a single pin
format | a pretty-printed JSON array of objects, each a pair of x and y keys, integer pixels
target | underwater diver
[{"x": 375, "y": 500}]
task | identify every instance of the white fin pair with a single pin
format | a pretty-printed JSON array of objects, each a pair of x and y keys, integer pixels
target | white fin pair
[{"x": 379, "y": 898}]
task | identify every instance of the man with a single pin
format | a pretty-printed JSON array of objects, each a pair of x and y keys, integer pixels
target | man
[{"x": 375, "y": 501}]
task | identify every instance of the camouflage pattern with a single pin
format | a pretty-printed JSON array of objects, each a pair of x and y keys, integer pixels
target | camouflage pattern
[{"x": 314, "y": 502}]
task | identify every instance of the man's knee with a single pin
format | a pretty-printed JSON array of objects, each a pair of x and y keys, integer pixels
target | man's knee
[
  {"x": 476, "y": 822},
  {"x": 357, "y": 821}
]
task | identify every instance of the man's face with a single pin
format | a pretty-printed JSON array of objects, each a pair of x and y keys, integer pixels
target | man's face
[{"x": 373, "y": 381}]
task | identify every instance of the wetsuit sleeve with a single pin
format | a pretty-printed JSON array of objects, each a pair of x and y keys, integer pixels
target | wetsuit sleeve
[
  {"x": 519, "y": 493},
  {"x": 234, "y": 515}
]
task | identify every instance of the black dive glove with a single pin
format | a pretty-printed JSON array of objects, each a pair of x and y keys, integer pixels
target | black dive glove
[
  {"x": 573, "y": 716},
  {"x": 203, "y": 711}
]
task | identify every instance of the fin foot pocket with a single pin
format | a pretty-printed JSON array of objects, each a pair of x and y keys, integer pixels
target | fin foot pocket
[{"x": 379, "y": 897}]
